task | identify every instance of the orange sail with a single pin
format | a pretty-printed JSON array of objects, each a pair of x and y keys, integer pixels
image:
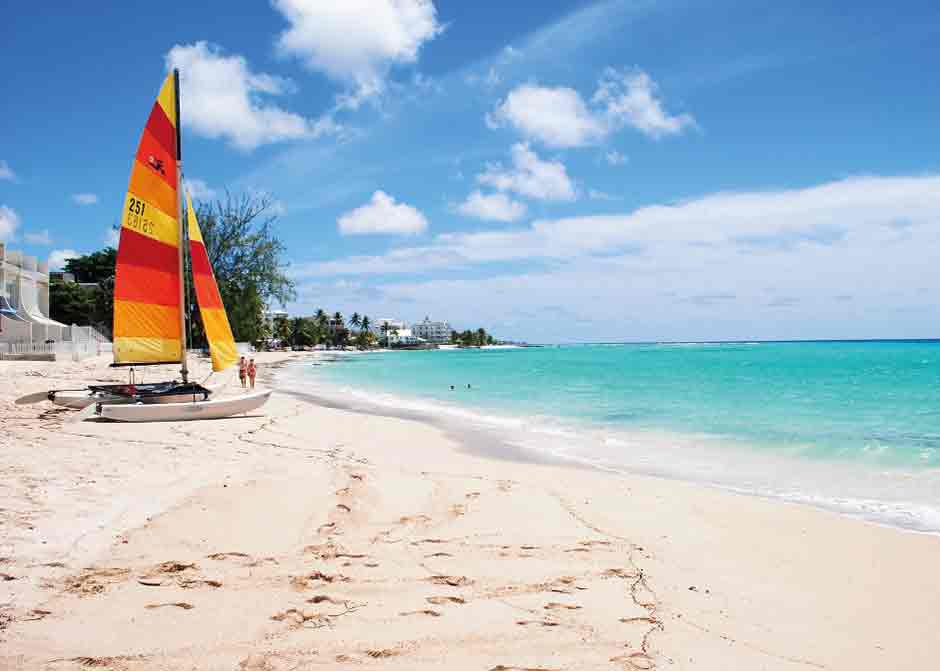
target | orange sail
[
  {"x": 147, "y": 309},
  {"x": 214, "y": 319}
]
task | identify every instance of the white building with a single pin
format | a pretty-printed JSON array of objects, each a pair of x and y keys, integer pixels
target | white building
[
  {"x": 24, "y": 300},
  {"x": 433, "y": 332},
  {"x": 393, "y": 325},
  {"x": 403, "y": 337}
]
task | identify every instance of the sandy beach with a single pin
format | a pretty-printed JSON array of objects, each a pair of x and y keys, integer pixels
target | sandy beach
[{"x": 318, "y": 537}]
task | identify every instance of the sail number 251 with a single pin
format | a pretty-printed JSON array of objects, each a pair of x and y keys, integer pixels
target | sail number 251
[
  {"x": 136, "y": 206},
  {"x": 135, "y": 216}
]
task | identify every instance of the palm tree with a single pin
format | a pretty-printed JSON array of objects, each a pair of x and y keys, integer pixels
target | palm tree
[
  {"x": 481, "y": 336},
  {"x": 355, "y": 321},
  {"x": 363, "y": 339},
  {"x": 338, "y": 319}
]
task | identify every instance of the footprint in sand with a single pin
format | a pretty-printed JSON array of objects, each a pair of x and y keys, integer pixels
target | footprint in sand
[
  {"x": 637, "y": 661},
  {"x": 177, "y": 604},
  {"x": 541, "y": 623},
  {"x": 444, "y": 600},
  {"x": 451, "y": 580},
  {"x": 414, "y": 519},
  {"x": 439, "y": 554},
  {"x": 95, "y": 581},
  {"x": 554, "y": 605},
  {"x": 426, "y": 611},
  {"x": 502, "y": 667},
  {"x": 221, "y": 556},
  {"x": 193, "y": 583},
  {"x": 329, "y": 551}
]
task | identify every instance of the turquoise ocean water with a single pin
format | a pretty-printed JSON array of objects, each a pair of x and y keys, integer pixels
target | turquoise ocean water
[{"x": 850, "y": 426}]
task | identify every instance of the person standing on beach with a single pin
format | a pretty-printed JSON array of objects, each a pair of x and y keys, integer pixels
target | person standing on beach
[
  {"x": 252, "y": 371},
  {"x": 242, "y": 370}
]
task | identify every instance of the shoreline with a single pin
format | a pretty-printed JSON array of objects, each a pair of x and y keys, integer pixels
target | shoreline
[
  {"x": 512, "y": 437},
  {"x": 316, "y": 537}
]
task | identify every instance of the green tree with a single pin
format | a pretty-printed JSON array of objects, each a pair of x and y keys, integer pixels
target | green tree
[
  {"x": 71, "y": 303},
  {"x": 247, "y": 259},
  {"x": 365, "y": 337},
  {"x": 481, "y": 336},
  {"x": 282, "y": 330},
  {"x": 94, "y": 267},
  {"x": 355, "y": 321}
]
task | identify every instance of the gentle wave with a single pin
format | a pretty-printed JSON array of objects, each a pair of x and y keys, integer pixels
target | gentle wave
[{"x": 895, "y": 496}]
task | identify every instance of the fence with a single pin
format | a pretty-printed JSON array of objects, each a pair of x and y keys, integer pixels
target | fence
[{"x": 77, "y": 343}]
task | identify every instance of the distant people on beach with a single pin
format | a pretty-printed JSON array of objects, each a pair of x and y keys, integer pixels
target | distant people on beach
[
  {"x": 252, "y": 371},
  {"x": 243, "y": 371}
]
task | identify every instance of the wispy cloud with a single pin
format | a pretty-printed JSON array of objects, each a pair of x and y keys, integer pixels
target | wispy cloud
[
  {"x": 6, "y": 172},
  {"x": 492, "y": 207},
  {"x": 530, "y": 176},
  {"x": 199, "y": 190},
  {"x": 58, "y": 258},
  {"x": 614, "y": 157},
  {"x": 726, "y": 221},
  {"x": 38, "y": 237},
  {"x": 84, "y": 198},
  {"x": 9, "y": 222}
]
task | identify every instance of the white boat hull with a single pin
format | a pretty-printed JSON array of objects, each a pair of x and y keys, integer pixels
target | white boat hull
[
  {"x": 76, "y": 400},
  {"x": 173, "y": 412}
]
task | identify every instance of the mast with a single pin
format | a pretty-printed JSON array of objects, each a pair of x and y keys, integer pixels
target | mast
[{"x": 182, "y": 232}]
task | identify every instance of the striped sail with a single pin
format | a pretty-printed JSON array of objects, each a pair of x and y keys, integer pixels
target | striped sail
[
  {"x": 214, "y": 319},
  {"x": 147, "y": 310}
]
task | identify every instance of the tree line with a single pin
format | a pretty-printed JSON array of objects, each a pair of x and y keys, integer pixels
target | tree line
[{"x": 336, "y": 331}]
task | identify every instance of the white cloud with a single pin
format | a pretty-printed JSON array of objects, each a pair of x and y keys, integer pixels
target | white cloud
[
  {"x": 595, "y": 194},
  {"x": 112, "y": 236},
  {"x": 631, "y": 98},
  {"x": 492, "y": 207},
  {"x": 530, "y": 176},
  {"x": 861, "y": 210},
  {"x": 614, "y": 157},
  {"x": 84, "y": 198},
  {"x": 222, "y": 98},
  {"x": 38, "y": 238},
  {"x": 384, "y": 216},
  {"x": 9, "y": 221},
  {"x": 199, "y": 190},
  {"x": 559, "y": 117},
  {"x": 6, "y": 172},
  {"x": 58, "y": 258},
  {"x": 357, "y": 41}
]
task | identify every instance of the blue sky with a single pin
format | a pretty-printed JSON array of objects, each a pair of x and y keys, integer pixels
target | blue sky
[{"x": 555, "y": 171}]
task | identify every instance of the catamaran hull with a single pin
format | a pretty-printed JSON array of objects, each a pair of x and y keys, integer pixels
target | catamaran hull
[
  {"x": 79, "y": 400},
  {"x": 174, "y": 412}
]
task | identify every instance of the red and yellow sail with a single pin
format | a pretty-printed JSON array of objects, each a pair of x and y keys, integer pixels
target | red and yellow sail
[
  {"x": 214, "y": 320},
  {"x": 147, "y": 310}
]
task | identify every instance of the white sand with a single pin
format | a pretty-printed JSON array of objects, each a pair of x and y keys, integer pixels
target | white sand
[{"x": 321, "y": 538}]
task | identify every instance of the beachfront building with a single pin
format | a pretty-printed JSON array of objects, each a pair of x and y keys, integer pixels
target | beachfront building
[
  {"x": 400, "y": 337},
  {"x": 433, "y": 332},
  {"x": 393, "y": 325},
  {"x": 24, "y": 300}
]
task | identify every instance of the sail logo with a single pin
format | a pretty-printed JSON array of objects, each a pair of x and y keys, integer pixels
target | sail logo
[{"x": 156, "y": 164}]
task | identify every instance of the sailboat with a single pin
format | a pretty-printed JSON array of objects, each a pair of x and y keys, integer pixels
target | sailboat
[{"x": 149, "y": 294}]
